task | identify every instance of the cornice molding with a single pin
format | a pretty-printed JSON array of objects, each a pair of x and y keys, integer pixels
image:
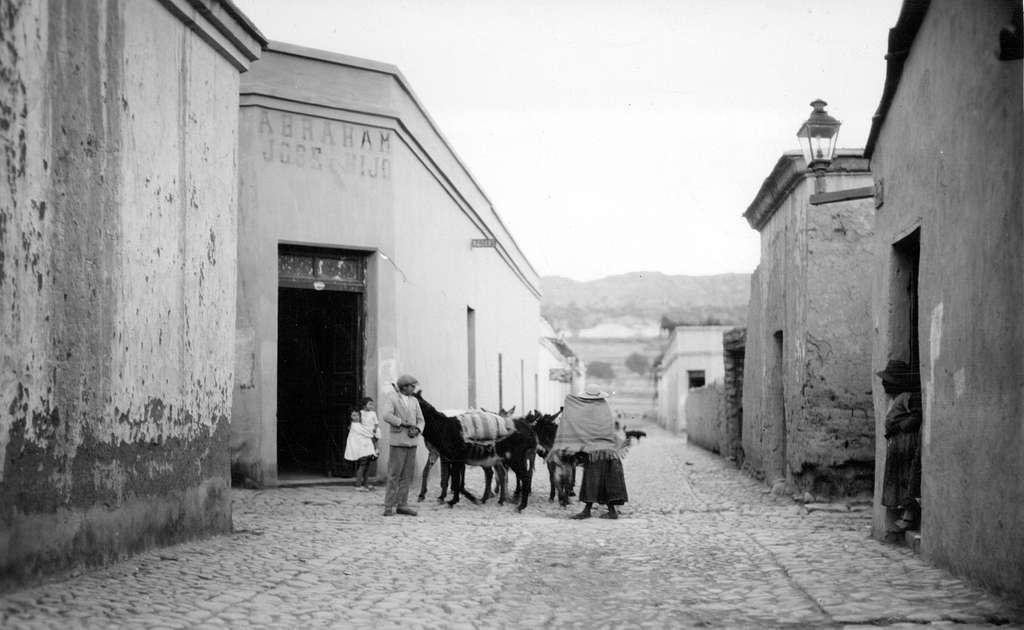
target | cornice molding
[
  {"x": 223, "y": 26},
  {"x": 789, "y": 171}
]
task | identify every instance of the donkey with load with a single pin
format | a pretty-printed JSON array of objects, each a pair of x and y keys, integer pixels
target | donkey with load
[{"x": 482, "y": 439}]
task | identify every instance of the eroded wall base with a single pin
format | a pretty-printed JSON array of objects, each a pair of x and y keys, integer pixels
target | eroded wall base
[{"x": 124, "y": 500}]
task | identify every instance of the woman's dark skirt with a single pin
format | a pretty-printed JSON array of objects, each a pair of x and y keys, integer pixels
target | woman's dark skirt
[
  {"x": 902, "y": 481},
  {"x": 604, "y": 482}
]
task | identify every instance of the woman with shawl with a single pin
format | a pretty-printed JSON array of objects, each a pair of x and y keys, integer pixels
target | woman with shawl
[
  {"x": 901, "y": 488},
  {"x": 588, "y": 429}
]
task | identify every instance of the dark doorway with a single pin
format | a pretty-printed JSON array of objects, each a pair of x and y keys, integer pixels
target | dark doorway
[
  {"x": 902, "y": 462},
  {"x": 778, "y": 400},
  {"x": 903, "y": 338},
  {"x": 317, "y": 385},
  {"x": 319, "y": 358}
]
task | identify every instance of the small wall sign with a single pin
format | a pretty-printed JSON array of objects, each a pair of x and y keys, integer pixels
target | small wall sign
[{"x": 483, "y": 242}]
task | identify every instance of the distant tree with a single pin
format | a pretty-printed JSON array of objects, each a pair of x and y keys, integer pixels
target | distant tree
[
  {"x": 638, "y": 363},
  {"x": 601, "y": 370},
  {"x": 667, "y": 323}
]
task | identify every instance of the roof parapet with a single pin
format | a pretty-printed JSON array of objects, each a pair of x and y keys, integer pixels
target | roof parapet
[
  {"x": 789, "y": 171},
  {"x": 901, "y": 38}
]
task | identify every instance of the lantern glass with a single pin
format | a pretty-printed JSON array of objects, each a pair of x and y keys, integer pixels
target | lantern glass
[{"x": 818, "y": 136}]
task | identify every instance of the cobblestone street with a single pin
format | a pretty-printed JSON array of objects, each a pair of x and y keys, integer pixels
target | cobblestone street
[{"x": 699, "y": 545}]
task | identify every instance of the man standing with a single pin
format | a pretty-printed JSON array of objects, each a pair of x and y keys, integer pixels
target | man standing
[{"x": 401, "y": 411}]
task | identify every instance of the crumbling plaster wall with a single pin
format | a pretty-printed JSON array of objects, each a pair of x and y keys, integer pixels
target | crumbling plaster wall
[
  {"x": 807, "y": 359},
  {"x": 832, "y": 438},
  {"x": 951, "y": 154},
  {"x": 770, "y": 399},
  {"x": 117, "y": 280}
]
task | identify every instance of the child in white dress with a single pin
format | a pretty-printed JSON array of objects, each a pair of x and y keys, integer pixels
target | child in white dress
[{"x": 361, "y": 446}]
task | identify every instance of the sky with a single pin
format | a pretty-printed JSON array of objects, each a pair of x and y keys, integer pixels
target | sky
[{"x": 616, "y": 136}]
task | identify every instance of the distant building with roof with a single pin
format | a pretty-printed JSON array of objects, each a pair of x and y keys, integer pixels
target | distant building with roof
[{"x": 692, "y": 359}]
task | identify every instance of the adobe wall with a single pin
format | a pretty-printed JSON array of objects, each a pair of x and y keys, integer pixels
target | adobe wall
[
  {"x": 771, "y": 396},
  {"x": 832, "y": 440},
  {"x": 117, "y": 275},
  {"x": 951, "y": 154},
  {"x": 705, "y": 414},
  {"x": 805, "y": 421}
]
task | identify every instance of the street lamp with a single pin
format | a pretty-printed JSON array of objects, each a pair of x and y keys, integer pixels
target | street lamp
[{"x": 818, "y": 142}]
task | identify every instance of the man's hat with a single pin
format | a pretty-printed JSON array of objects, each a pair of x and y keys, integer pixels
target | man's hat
[
  {"x": 405, "y": 379},
  {"x": 897, "y": 372}
]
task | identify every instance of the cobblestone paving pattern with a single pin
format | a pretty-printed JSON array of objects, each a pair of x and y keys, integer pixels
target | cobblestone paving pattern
[{"x": 699, "y": 545}]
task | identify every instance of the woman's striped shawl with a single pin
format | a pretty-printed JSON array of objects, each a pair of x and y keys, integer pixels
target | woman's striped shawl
[{"x": 586, "y": 427}]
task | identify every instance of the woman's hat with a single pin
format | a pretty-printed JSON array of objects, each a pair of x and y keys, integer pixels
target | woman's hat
[
  {"x": 593, "y": 391},
  {"x": 897, "y": 372}
]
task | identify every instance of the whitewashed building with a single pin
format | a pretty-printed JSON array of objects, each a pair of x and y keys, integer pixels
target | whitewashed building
[
  {"x": 366, "y": 250},
  {"x": 693, "y": 358}
]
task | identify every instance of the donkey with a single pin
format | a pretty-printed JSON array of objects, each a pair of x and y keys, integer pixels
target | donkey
[
  {"x": 444, "y": 434},
  {"x": 432, "y": 458},
  {"x": 546, "y": 427}
]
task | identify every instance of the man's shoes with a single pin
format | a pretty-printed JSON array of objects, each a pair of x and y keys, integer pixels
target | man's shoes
[
  {"x": 389, "y": 512},
  {"x": 580, "y": 516},
  {"x": 406, "y": 511}
]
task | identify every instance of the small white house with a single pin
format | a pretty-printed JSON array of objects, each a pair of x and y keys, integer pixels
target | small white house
[{"x": 693, "y": 359}]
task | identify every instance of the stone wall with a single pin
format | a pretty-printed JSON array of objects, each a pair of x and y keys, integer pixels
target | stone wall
[
  {"x": 731, "y": 441},
  {"x": 117, "y": 277}
]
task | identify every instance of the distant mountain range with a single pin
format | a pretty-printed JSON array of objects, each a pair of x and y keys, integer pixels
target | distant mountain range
[{"x": 638, "y": 301}]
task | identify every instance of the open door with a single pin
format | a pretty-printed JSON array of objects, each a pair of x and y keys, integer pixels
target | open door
[{"x": 319, "y": 369}]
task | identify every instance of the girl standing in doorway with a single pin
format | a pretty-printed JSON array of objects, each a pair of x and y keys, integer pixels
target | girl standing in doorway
[{"x": 361, "y": 446}]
